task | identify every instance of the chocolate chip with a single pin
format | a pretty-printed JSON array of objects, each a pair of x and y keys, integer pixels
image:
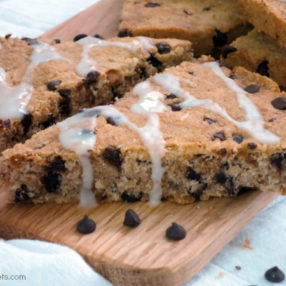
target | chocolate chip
[
  {"x": 64, "y": 105},
  {"x": 209, "y": 121},
  {"x": 163, "y": 48},
  {"x": 206, "y": 9},
  {"x": 226, "y": 50},
  {"x": 197, "y": 195},
  {"x": 131, "y": 198},
  {"x": 57, "y": 165},
  {"x": 187, "y": 12},
  {"x": 27, "y": 122},
  {"x": 220, "y": 178},
  {"x": 237, "y": 138},
  {"x": 154, "y": 62},
  {"x": 6, "y": 123},
  {"x": 131, "y": 219},
  {"x": 243, "y": 190},
  {"x": 141, "y": 71},
  {"x": 274, "y": 274},
  {"x": 277, "y": 159},
  {"x": 51, "y": 182},
  {"x": 222, "y": 152},
  {"x": 50, "y": 121},
  {"x": 272, "y": 119},
  {"x": 79, "y": 37},
  {"x": 57, "y": 41},
  {"x": 251, "y": 145},
  {"x": 192, "y": 174},
  {"x": 263, "y": 68},
  {"x": 125, "y": 33},
  {"x": 219, "y": 39},
  {"x": 111, "y": 121},
  {"x": 252, "y": 88},
  {"x": 92, "y": 77},
  {"x": 8, "y": 36},
  {"x": 21, "y": 194},
  {"x": 233, "y": 76},
  {"x": 52, "y": 85},
  {"x": 279, "y": 103},
  {"x": 30, "y": 41},
  {"x": 171, "y": 96},
  {"x": 237, "y": 267},
  {"x": 86, "y": 225},
  {"x": 98, "y": 37},
  {"x": 175, "y": 107},
  {"x": 151, "y": 5},
  {"x": 219, "y": 135},
  {"x": 113, "y": 156},
  {"x": 175, "y": 232}
]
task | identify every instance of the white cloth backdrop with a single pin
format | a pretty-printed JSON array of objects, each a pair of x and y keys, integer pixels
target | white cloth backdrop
[{"x": 49, "y": 264}]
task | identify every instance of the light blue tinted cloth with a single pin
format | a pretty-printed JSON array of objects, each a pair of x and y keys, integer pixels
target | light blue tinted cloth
[{"x": 40, "y": 260}]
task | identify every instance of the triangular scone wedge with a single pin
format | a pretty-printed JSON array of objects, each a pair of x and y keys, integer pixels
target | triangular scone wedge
[
  {"x": 209, "y": 24},
  {"x": 193, "y": 132},
  {"x": 43, "y": 82}
]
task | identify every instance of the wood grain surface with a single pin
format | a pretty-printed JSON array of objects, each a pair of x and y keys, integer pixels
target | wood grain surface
[{"x": 140, "y": 256}]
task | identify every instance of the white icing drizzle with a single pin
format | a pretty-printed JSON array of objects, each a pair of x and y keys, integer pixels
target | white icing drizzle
[
  {"x": 87, "y": 64},
  {"x": 254, "y": 122},
  {"x": 14, "y": 99}
]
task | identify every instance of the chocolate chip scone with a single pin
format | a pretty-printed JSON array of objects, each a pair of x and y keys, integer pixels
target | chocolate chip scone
[
  {"x": 208, "y": 24},
  {"x": 259, "y": 53},
  {"x": 268, "y": 16},
  {"x": 193, "y": 132},
  {"x": 43, "y": 82}
]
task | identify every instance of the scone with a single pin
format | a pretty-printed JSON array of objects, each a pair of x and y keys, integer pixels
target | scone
[
  {"x": 43, "y": 82},
  {"x": 208, "y": 24},
  {"x": 193, "y": 132},
  {"x": 259, "y": 53},
  {"x": 268, "y": 16}
]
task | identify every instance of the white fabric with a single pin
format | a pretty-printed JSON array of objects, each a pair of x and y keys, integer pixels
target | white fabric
[{"x": 49, "y": 264}]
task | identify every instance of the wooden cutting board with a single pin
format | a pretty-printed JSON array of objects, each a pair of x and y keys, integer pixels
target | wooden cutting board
[{"x": 141, "y": 256}]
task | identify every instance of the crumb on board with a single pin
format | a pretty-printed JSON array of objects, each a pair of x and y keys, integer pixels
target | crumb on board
[
  {"x": 220, "y": 275},
  {"x": 246, "y": 244}
]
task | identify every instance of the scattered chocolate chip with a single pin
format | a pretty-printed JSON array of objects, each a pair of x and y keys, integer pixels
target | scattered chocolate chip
[
  {"x": 125, "y": 33},
  {"x": 175, "y": 107},
  {"x": 277, "y": 159},
  {"x": 155, "y": 62},
  {"x": 52, "y": 85},
  {"x": 30, "y": 41},
  {"x": 237, "y": 138},
  {"x": 163, "y": 48},
  {"x": 64, "y": 105},
  {"x": 8, "y": 36},
  {"x": 219, "y": 135},
  {"x": 206, "y": 9},
  {"x": 131, "y": 219},
  {"x": 21, "y": 194},
  {"x": 129, "y": 198},
  {"x": 237, "y": 267},
  {"x": 113, "y": 156},
  {"x": 274, "y": 274},
  {"x": 222, "y": 152},
  {"x": 251, "y": 145},
  {"x": 111, "y": 121},
  {"x": 226, "y": 50},
  {"x": 175, "y": 232},
  {"x": 187, "y": 12},
  {"x": 6, "y": 123},
  {"x": 98, "y": 37},
  {"x": 57, "y": 41},
  {"x": 252, "y": 88},
  {"x": 171, "y": 96},
  {"x": 79, "y": 37},
  {"x": 86, "y": 225},
  {"x": 27, "y": 122},
  {"x": 279, "y": 103},
  {"x": 92, "y": 77},
  {"x": 263, "y": 68},
  {"x": 219, "y": 39},
  {"x": 151, "y": 5},
  {"x": 209, "y": 121},
  {"x": 49, "y": 121},
  {"x": 192, "y": 174}
]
